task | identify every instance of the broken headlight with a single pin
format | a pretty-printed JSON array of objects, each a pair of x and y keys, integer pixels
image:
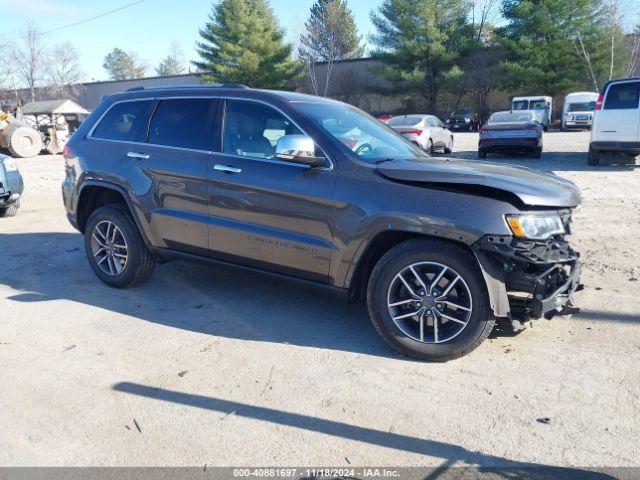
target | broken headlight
[{"x": 536, "y": 227}]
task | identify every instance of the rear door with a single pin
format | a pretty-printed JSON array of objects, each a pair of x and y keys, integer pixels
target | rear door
[
  {"x": 174, "y": 164},
  {"x": 443, "y": 133},
  {"x": 436, "y": 131},
  {"x": 619, "y": 119},
  {"x": 265, "y": 212}
]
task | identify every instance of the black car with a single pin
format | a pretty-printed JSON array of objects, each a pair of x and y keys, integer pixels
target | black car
[
  {"x": 11, "y": 186},
  {"x": 512, "y": 131},
  {"x": 463, "y": 120},
  {"x": 315, "y": 189}
]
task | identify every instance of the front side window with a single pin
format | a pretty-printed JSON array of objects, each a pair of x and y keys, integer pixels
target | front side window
[
  {"x": 360, "y": 134},
  {"x": 253, "y": 129},
  {"x": 183, "y": 123},
  {"x": 623, "y": 96},
  {"x": 123, "y": 121}
]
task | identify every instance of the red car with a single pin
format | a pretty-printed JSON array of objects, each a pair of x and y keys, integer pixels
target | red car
[{"x": 386, "y": 117}]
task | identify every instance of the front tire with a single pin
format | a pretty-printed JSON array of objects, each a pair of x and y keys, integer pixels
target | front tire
[
  {"x": 594, "y": 157},
  {"x": 115, "y": 250},
  {"x": 22, "y": 141},
  {"x": 11, "y": 210},
  {"x": 451, "y": 318}
]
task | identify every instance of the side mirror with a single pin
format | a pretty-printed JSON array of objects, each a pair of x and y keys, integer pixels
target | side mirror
[{"x": 298, "y": 149}]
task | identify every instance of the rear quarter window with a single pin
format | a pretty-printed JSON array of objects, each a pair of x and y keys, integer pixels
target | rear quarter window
[
  {"x": 622, "y": 96},
  {"x": 123, "y": 121}
]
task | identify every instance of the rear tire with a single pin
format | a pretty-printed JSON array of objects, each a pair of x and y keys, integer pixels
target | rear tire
[
  {"x": 537, "y": 153},
  {"x": 11, "y": 210},
  {"x": 482, "y": 154},
  {"x": 23, "y": 141},
  {"x": 138, "y": 264},
  {"x": 430, "y": 147},
  {"x": 436, "y": 254},
  {"x": 594, "y": 157},
  {"x": 449, "y": 147}
]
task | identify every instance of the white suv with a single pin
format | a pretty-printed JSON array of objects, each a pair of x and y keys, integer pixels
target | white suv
[{"x": 616, "y": 124}]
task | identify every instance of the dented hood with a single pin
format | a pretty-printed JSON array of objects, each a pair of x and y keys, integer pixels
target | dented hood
[{"x": 536, "y": 189}]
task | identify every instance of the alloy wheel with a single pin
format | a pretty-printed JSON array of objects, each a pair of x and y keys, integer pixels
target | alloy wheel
[
  {"x": 429, "y": 302},
  {"x": 109, "y": 248}
]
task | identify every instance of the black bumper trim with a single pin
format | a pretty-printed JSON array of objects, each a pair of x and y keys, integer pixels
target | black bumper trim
[
  {"x": 556, "y": 302},
  {"x": 626, "y": 147}
]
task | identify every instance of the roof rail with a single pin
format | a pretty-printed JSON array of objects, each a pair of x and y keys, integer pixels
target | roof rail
[{"x": 202, "y": 85}]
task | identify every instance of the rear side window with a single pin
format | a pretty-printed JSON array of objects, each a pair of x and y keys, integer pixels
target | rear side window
[
  {"x": 184, "y": 123},
  {"x": 623, "y": 96},
  {"x": 123, "y": 121}
]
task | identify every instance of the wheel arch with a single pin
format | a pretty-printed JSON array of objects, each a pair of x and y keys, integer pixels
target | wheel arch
[
  {"x": 95, "y": 194},
  {"x": 386, "y": 240}
]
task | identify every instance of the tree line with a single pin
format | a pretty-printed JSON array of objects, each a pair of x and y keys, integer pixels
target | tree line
[
  {"x": 426, "y": 49},
  {"x": 430, "y": 48}
]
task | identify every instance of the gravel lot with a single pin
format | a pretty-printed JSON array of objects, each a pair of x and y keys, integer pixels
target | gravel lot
[{"x": 215, "y": 366}]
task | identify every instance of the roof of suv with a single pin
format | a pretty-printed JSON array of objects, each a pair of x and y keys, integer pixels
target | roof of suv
[{"x": 224, "y": 89}]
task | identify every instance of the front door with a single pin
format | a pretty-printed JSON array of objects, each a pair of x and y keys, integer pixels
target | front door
[
  {"x": 619, "y": 118},
  {"x": 265, "y": 212}
]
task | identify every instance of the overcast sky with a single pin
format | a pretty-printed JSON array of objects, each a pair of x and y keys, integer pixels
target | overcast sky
[{"x": 147, "y": 28}]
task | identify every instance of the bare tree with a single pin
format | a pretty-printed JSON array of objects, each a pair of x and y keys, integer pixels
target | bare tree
[
  {"x": 63, "y": 68},
  {"x": 331, "y": 35},
  {"x": 584, "y": 55},
  {"x": 634, "y": 53},
  {"x": 173, "y": 63},
  {"x": 28, "y": 57},
  {"x": 483, "y": 13}
]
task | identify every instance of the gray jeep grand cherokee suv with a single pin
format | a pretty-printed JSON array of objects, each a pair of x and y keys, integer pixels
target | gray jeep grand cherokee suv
[{"x": 318, "y": 190}]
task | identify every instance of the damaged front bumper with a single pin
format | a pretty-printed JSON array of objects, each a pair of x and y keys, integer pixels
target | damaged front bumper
[{"x": 529, "y": 279}]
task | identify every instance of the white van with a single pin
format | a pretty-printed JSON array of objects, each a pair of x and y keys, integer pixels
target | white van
[
  {"x": 578, "y": 110},
  {"x": 616, "y": 123},
  {"x": 539, "y": 106}
]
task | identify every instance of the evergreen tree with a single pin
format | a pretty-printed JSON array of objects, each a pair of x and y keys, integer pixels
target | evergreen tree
[
  {"x": 420, "y": 42},
  {"x": 122, "y": 65},
  {"x": 243, "y": 43},
  {"x": 559, "y": 45}
]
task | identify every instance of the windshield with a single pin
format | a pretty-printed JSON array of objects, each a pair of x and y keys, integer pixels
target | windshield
[
  {"x": 364, "y": 136},
  {"x": 405, "y": 121},
  {"x": 521, "y": 105},
  {"x": 462, "y": 112},
  {"x": 508, "y": 117},
  {"x": 582, "y": 106}
]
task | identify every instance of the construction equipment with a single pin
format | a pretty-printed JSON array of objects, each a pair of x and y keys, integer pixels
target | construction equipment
[{"x": 26, "y": 131}]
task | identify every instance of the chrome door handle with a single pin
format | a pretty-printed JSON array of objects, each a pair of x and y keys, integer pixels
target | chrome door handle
[
  {"x": 138, "y": 156},
  {"x": 227, "y": 169}
]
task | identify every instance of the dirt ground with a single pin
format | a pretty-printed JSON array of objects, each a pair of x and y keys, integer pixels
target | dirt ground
[{"x": 215, "y": 366}]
